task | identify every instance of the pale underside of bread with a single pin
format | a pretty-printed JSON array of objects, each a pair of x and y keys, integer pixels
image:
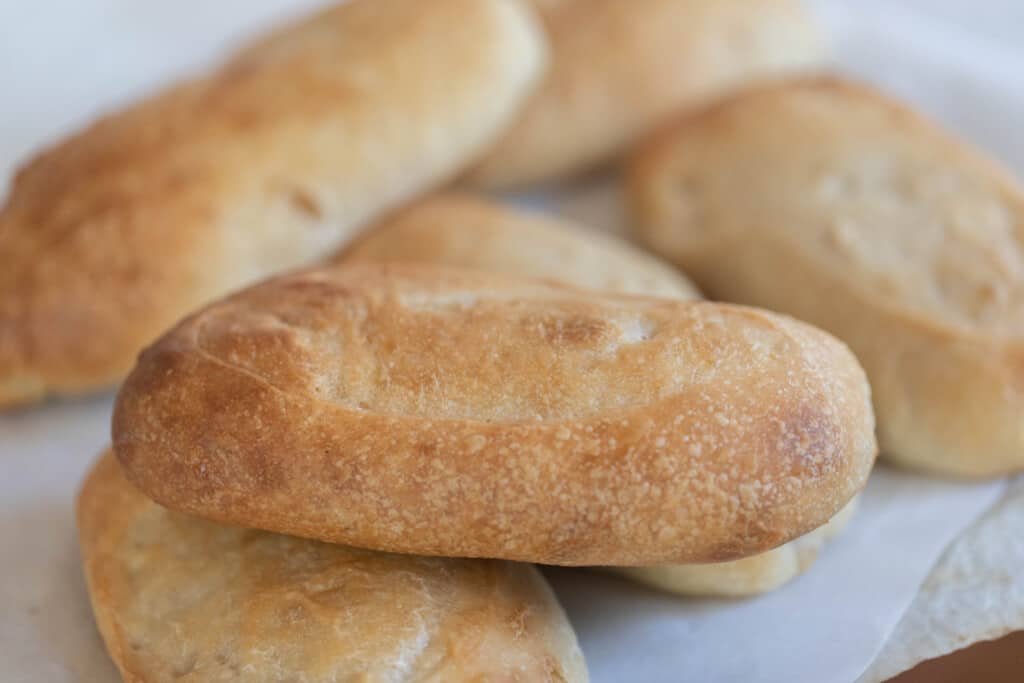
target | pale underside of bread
[
  {"x": 452, "y": 412},
  {"x": 268, "y": 163},
  {"x": 748, "y": 576},
  {"x": 825, "y": 200},
  {"x": 181, "y": 599},
  {"x": 619, "y": 68},
  {"x": 461, "y": 230}
]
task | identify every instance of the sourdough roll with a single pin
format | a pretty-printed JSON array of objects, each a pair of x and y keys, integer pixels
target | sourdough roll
[
  {"x": 178, "y": 598},
  {"x": 461, "y": 230},
  {"x": 828, "y": 201},
  {"x": 447, "y": 412},
  {"x": 619, "y": 68},
  {"x": 271, "y": 162}
]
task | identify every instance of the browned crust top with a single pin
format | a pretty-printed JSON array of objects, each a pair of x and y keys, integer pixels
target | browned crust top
[{"x": 437, "y": 411}]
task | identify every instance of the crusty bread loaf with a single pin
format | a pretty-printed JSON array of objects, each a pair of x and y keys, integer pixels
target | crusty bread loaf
[
  {"x": 439, "y": 411},
  {"x": 462, "y": 230},
  {"x": 618, "y": 68},
  {"x": 181, "y": 599},
  {"x": 271, "y": 162},
  {"x": 748, "y": 576},
  {"x": 825, "y": 200}
]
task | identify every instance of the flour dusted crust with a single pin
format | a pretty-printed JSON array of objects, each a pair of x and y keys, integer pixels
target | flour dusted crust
[
  {"x": 619, "y": 68},
  {"x": 178, "y": 598},
  {"x": 271, "y": 162},
  {"x": 439, "y": 411},
  {"x": 461, "y": 230},
  {"x": 454, "y": 229},
  {"x": 826, "y": 200}
]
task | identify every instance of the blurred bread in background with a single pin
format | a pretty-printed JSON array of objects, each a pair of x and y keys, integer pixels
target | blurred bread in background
[
  {"x": 619, "y": 68},
  {"x": 462, "y": 230},
  {"x": 180, "y": 598},
  {"x": 831, "y": 202},
  {"x": 273, "y": 161}
]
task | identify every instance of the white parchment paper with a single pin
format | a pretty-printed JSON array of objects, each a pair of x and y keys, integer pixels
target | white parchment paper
[
  {"x": 64, "y": 61},
  {"x": 975, "y": 592}
]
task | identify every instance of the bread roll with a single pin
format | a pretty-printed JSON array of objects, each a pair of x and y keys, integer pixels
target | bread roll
[
  {"x": 180, "y": 599},
  {"x": 447, "y": 412},
  {"x": 271, "y": 162},
  {"x": 828, "y": 201},
  {"x": 461, "y": 230},
  {"x": 748, "y": 576},
  {"x": 618, "y": 68}
]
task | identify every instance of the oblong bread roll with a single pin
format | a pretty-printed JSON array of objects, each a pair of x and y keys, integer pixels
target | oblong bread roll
[
  {"x": 178, "y": 598},
  {"x": 447, "y": 412},
  {"x": 461, "y": 230},
  {"x": 828, "y": 201},
  {"x": 271, "y": 162},
  {"x": 619, "y": 68},
  {"x": 748, "y": 576}
]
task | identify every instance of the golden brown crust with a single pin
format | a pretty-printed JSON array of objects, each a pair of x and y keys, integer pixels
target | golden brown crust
[
  {"x": 619, "y": 68},
  {"x": 461, "y": 230},
  {"x": 828, "y": 201},
  {"x": 434, "y": 411},
  {"x": 269, "y": 163},
  {"x": 181, "y": 599}
]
